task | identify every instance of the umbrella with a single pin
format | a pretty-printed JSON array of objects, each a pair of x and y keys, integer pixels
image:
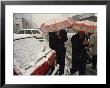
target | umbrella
[
  {"x": 56, "y": 24},
  {"x": 86, "y": 25}
]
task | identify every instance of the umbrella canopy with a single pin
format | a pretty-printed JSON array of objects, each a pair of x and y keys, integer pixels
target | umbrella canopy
[
  {"x": 56, "y": 24},
  {"x": 88, "y": 26},
  {"x": 62, "y": 23}
]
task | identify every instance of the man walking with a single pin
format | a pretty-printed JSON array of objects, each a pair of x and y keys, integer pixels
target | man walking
[
  {"x": 59, "y": 46},
  {"x": 79, "y": 53},
  {"x": 93, "y": 45}
]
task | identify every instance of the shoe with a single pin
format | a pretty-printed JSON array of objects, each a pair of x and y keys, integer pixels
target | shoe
[{"x": 76, "y": 73}]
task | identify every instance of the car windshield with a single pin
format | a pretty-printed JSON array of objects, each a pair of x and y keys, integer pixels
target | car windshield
[
  {"x": 41, "y": 40},
  {"x": 28, "y": 32},
  {"x": 20, "y": 32},
  {"x": 35, "y": 32}
]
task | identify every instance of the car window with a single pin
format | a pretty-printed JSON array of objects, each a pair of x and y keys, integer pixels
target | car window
[
  {"x": 35, "y": 32},
  {"x": 28, "y": 32},
  {"x": 20, "y": 32},
  {"x": 41, "y": 40}
]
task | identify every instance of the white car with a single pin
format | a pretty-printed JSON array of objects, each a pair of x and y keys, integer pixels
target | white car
[{"x": 34, "y": 32}]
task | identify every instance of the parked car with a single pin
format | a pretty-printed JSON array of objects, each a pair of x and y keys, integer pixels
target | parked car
[
  {"x": 32, "y": 56},
  {"x": 34, "y": 32}
]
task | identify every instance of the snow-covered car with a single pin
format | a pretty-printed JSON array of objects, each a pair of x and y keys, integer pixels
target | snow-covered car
[
  {"x": 32, "y": 56},
  {"x": 34, "y": 32}
]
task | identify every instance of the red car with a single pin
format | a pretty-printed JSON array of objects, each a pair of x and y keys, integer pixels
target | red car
[{"x": 32, "y": 56}]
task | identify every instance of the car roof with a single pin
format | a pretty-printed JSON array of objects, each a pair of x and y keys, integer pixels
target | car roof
[
  {"x": 32, "y": 29},
  {"x": 29, "y": 29}
]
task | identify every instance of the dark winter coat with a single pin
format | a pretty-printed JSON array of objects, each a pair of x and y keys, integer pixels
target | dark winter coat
[{"x": 78, "y": 49}]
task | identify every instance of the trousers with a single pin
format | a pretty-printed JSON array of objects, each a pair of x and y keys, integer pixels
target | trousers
[
  {"x": 78, "y": 64},
  {"x": 61, "y": 61}
]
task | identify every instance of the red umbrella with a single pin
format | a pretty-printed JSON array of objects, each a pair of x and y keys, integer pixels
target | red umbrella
[
  {"x": 56, "y": 24},
  {"x": 80, "y": 25}
]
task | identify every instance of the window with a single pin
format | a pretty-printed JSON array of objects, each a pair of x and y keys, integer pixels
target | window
[
  {"x": 21, "y": 32},
  {"x": 28, "y": 32},
  {"x": 41, "y": 40},
  {"x": 35, "y": 32}
]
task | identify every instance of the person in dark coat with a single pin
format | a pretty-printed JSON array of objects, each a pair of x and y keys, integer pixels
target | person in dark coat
[
  {"x": 78, "y": 53},
  {"x": 59, "y": 38}
]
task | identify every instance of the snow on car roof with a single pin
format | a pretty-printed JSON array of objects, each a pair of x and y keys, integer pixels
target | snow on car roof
[
  {"x": 32, "y": 29},
  {"x": 19, "y": 36},
  {"x": 29, "y": 29}
]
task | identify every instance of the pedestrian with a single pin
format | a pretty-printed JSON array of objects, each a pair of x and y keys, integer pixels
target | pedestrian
[
  {"x": 59, "y": 46},
  {"x": 93, "y": 45},
  {"x": 79, "y": 53}
]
